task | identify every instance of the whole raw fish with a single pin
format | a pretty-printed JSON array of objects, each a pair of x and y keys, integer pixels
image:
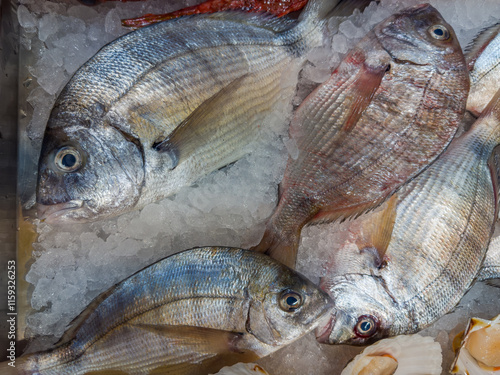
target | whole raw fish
[
  {"x": 483, "y": 59},
  {"x": 406, "y": 276},
  {"x": 190, "y": 313},
  {"x": 389, "y": 109},
  {"x": 162, "y": 106}
]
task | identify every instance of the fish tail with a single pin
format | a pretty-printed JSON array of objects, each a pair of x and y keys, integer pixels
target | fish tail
[
  {"x": 315, "y": 15},
  {"x": 280, "y": 246}
]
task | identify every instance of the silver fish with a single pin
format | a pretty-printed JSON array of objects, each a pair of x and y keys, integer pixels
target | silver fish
[
  {"x": 162, "y": 106},
  {"x": 436, "y": 239},
  {"x": 197, "y": 310},
  {"x": 483, "y": 60}
]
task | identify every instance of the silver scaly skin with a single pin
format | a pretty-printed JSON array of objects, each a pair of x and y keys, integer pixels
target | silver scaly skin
[
  {"x": 490, "y": 270},
  {"x": 443, "y": 225},
  {"x": 190, "y": 313},
  {"x": 110, "y": 145}
]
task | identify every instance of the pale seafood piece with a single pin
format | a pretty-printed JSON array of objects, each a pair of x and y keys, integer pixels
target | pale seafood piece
[
  {"x": 479, "y": 352},
  {"x": 400, "y": 355},
  {"x": 243, "y": 369}
]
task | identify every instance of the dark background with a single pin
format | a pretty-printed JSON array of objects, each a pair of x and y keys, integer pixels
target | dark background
[{"x": 8, "y": 154}]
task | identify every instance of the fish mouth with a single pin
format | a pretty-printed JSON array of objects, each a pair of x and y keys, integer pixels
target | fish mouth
[
  {"x": 56, "y": 213},
  {"x": 323, "y": 331}
]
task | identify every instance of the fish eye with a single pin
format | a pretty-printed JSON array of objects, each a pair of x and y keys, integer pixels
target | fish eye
[
  {"x": 290, "y": 301},
  {"x": 68, "y": 159},
  {"x": 366, "y": 326},
  {"x": 439, "y": 32}
]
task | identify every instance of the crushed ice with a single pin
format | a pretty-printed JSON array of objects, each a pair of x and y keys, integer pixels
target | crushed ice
[{"x": 227, "y": 208}]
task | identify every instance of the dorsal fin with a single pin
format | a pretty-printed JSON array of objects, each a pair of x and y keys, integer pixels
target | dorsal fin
[{"x": 479, "y": 43}]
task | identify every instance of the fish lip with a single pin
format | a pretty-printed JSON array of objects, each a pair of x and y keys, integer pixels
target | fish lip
[
  {"x": 55, "y": 213},
  {"x": 323, "y": 332}
]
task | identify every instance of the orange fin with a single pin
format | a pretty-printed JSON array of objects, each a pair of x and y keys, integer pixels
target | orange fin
[
  {"x": 361, "y": 92},
  {"x": 377, "y": 229},
  {"x": 280, "y": 247}
]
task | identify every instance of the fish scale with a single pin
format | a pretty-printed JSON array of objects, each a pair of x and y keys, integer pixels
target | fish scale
[{"x": 444, "y": 220}]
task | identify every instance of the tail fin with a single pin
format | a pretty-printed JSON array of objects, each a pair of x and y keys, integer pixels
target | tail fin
[
  {"x": 315, "y": 14},
  {"x": 281, "y": 247}
]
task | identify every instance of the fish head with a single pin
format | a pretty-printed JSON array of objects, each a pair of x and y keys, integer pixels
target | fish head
[
  {"x": 87, "y": 173},
  {"x": 287, "y": 309},
  {"x": 419, "y": 35},
  {"x": 364, "y": 311}
]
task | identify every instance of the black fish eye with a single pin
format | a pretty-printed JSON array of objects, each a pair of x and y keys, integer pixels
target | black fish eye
[
  {"x": 439, "y": 32},
  {"x": 366, "y": 326},
  {"x": 290, "y": 301},
  {"x": 68, "y": 159}
]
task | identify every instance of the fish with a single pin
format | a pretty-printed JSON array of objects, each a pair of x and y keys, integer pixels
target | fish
[
  {"x": 162, "y": 106},
  {"x": 483, "y": 61},
  {"x": 382, "y": 117},
  {"x": 197, "y": 310},
  {"x": 436, "y": 233}
]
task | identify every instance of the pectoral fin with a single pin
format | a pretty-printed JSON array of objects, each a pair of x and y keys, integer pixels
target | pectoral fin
[
  {"x": 196, "y": 130},
  {"x": 205, "y": 340},
  {"x": 361, "y": 93},
  {"x": 211, "y": 349}
]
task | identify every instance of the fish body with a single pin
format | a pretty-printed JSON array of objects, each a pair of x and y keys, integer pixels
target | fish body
[
  {"x": 389, "y": 109},
  {"x": 444, "y": 220},
  {"x": 483, "y": 59},
  {"x": 190, "y": 313},
  {"x": 160, "y": 107}
]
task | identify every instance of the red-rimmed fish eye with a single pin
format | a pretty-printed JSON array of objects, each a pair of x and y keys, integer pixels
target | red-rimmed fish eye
[
  {"x": 68, "y": 159},
  {"x": 439, "y": 32},
  {"x": 366, "y": 326},
  {"x": 289, "y": 301}
]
